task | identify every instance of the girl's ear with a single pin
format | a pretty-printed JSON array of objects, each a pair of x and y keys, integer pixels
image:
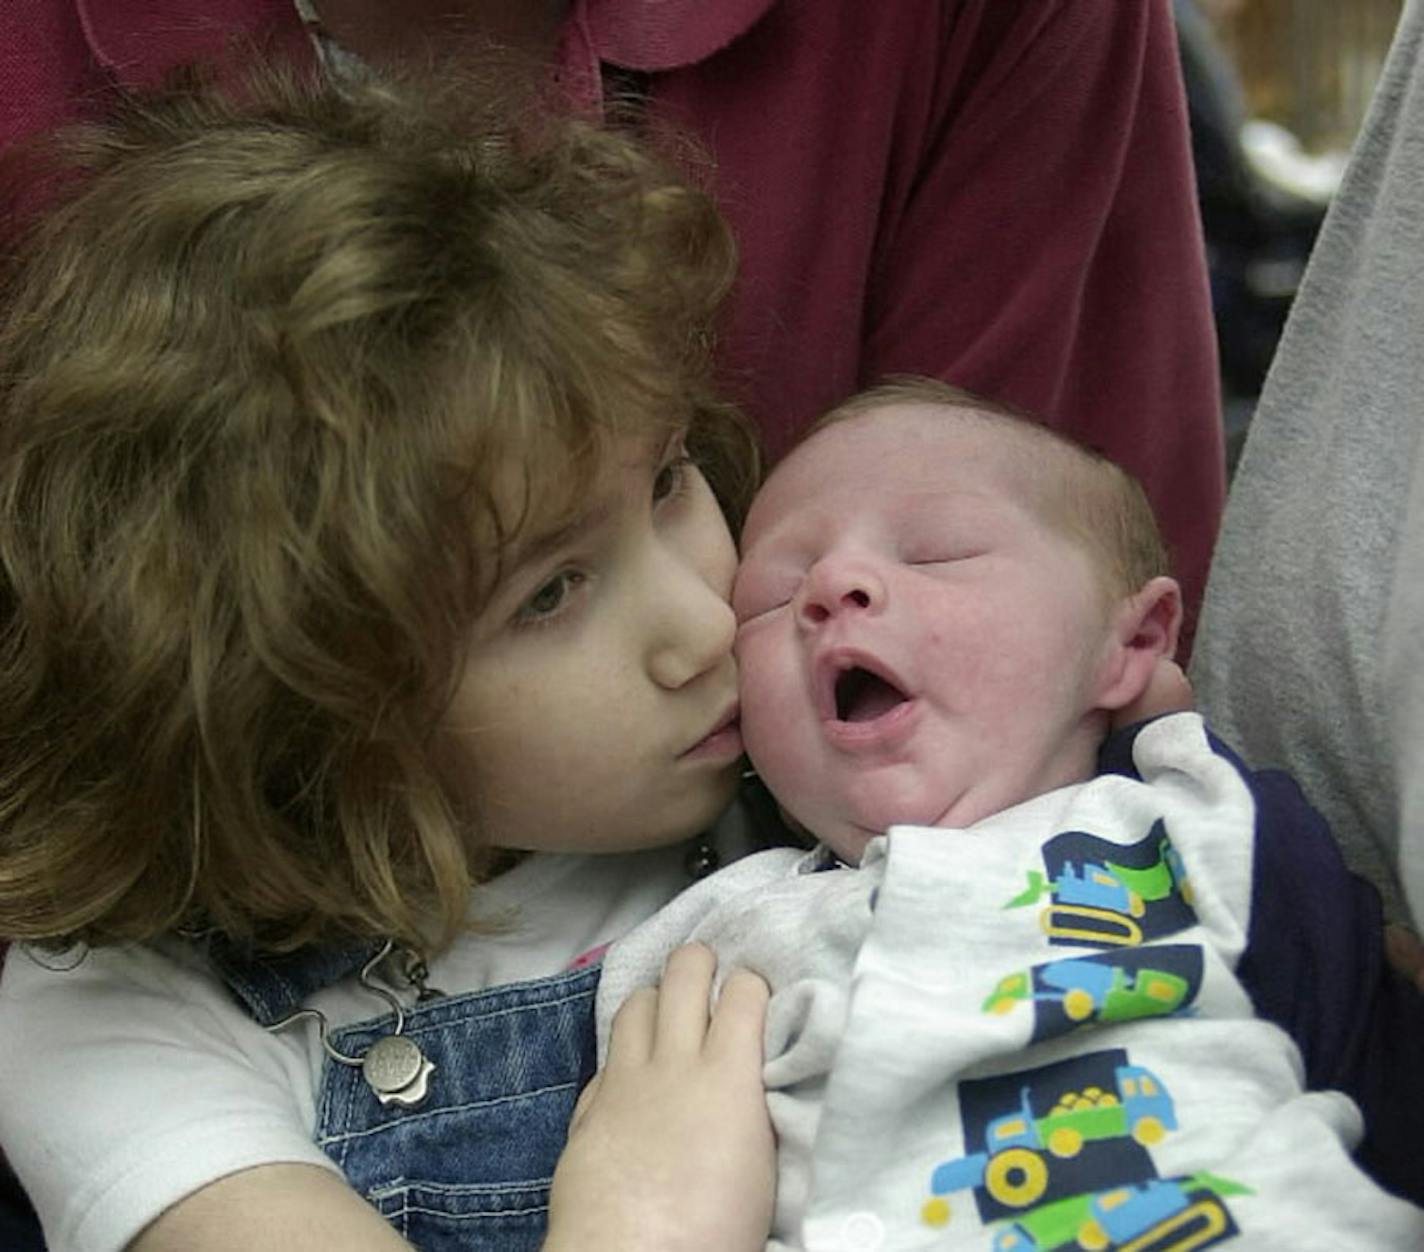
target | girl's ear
[{"x": 1144, "y": 631}]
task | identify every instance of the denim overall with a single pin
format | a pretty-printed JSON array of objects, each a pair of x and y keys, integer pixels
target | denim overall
[{"x": 470, "y": 1166}]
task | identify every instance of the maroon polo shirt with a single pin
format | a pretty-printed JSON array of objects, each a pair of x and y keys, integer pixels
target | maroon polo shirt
[{"x": 996, "y": 192}]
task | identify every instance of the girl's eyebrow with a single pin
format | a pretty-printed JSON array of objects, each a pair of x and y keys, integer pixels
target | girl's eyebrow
[{"x": 535, "y": 548}]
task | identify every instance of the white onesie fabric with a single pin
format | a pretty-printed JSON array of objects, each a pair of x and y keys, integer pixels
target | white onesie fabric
[{"x": 1028, "y": 1034}]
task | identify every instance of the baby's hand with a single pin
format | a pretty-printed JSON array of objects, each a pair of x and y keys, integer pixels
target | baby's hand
[
  {"x": 1167, "y": 691},
  {"x": 671, "y": 1146},
  {"x": 1405, "y": 952}
]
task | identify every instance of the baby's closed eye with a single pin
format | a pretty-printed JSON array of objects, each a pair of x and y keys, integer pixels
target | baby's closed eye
[{"x": 942, "y": 554}]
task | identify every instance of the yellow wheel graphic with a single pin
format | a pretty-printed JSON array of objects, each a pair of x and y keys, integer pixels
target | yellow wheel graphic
[
  {"x": 1092, "y": 1237},
  {"x": 1016, "y": 1177},
  {"x": 935, "y": 1212},
  {"x": 1078, "y": 1004},
  {"x": 1065, "y": 1141},
  {"x": 1148, "y": 1130}
]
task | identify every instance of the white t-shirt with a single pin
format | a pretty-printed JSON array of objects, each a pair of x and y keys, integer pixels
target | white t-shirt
[{"x": 132, "y": 1078}]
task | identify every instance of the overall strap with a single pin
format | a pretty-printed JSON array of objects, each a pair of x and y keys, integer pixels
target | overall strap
[{"x": 272, "y": 987}]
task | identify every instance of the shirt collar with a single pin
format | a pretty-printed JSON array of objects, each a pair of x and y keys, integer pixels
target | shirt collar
[
  {"x": 657, "y": 35},
  {"x": 644, "y": 35}
]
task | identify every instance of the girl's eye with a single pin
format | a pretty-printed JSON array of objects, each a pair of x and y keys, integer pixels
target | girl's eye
[{"x": 549, "y": 598}]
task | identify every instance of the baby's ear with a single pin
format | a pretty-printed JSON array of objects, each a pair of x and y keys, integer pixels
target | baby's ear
[{"x": 1144, "y": 631}]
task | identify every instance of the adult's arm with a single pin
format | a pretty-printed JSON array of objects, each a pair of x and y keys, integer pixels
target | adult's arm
[{"x": 1309, "y": 655}]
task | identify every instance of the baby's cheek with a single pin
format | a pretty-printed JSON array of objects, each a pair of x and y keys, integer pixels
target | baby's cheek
[
  {"x": 759, "y": 661},
  {"x": 770, "y": 706}
]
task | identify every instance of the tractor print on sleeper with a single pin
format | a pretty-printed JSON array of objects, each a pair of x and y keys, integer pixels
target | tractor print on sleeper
[
  {"x": 1113, "y": 987},
  {"x": 1098, "y": 894},
  {"x": 1058, "y": 1157}
]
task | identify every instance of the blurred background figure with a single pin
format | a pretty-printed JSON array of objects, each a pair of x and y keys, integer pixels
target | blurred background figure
[{"x": 1276, "y": 90}]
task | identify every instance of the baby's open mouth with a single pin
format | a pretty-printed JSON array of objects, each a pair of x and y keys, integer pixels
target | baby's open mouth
[{"x": 862, "y": 696}]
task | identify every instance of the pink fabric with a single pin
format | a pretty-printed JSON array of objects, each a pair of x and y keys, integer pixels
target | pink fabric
[
  {"x": 45, "y": 67},
  {"x": 123, "y": 35},
  {"x": 997, "y": 192},
  {"x": 59, "y": 57}
]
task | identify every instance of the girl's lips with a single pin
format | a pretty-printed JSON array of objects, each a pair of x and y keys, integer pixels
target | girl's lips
[{"x": 724, "y": 742}]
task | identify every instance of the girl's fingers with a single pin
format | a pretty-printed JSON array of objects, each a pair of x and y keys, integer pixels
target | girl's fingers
[
  {"x": 676, "y": 1019},
  {"x": 739, "y": 1020},
  {"x": 630, "y": 1041},
  {"x": 684, "y": 1000},
  {"x": 586, "y": 1097}
]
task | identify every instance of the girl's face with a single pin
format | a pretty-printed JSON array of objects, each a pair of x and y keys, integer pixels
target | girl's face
[{"x": 598, "y": 707}]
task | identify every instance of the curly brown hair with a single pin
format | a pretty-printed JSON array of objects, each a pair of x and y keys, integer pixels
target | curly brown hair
[{"x": 259, "y": 363}]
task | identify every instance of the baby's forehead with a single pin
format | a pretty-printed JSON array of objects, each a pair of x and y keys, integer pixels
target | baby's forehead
[
  {"x": 901, "y": 435},
  {"x": 890, "y": 453}
]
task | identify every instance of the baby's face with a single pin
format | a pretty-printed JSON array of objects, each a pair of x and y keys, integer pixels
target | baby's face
[{"x": 915, "y": 644}]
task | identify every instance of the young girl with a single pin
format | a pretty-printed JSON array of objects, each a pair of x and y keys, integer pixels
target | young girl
[{"x": 365, "y": 667}]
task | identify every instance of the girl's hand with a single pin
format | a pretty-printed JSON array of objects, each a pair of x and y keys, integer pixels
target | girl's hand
[{"x": 671, "y": 1146}]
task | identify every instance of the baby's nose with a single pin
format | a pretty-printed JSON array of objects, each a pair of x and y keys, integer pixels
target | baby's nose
[{"x": 840, "y": 587}]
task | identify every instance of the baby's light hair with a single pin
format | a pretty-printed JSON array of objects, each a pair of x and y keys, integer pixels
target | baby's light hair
[
  {"x": 261, "y": 362},
  {"x": 1087, "y": 496}
]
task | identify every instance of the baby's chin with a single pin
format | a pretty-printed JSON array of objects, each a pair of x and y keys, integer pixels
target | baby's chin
[
  {"x": 849, "y": 842},
  {"x": 848, "y": 834}
]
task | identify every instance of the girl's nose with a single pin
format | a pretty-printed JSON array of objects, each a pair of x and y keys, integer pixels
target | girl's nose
[
  {"x": 837, "y": 586},
  {"x": 691, "y": 629}
]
